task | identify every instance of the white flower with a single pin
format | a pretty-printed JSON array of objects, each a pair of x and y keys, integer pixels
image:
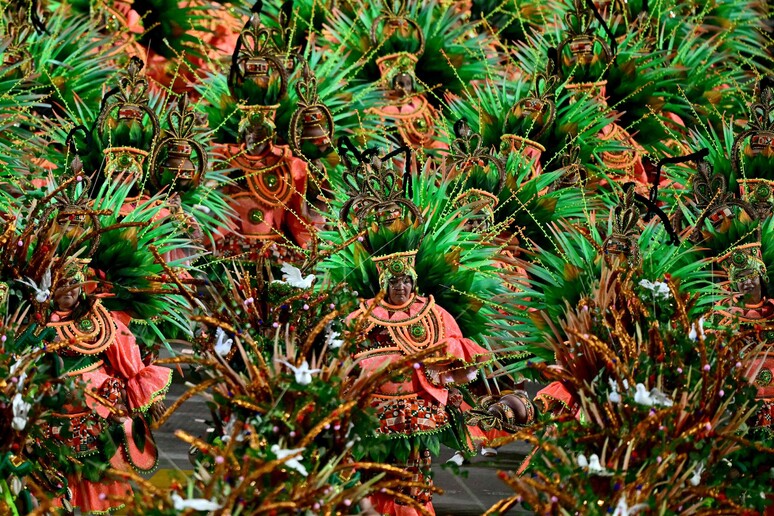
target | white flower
[
  {"x": 198, "y": 504},
  {"x": 613, "y": 396},
  {"x": 20, "y": 410},
  {"x": 660, "y": 289},
  {"x": 22, "y": 376},
  {"x": 592, "y": 465},
  {"x": 292, "y": 276},
  {"x": 222, "y": 345},
  {"x": 229, "y": 429},
  {"x": 42, "y": 291},
  {"x": 623, "y": 509},
  {"x": 696, "y": 478},
  {"x": 332, "y": 341},
  {"x": 303, "y": 373},
  {"x": 596, "y": 468},
  {"x": 693, "y": 334},
  {"x": 654, "y": 397},
  {"x": 291, "y": 463}
]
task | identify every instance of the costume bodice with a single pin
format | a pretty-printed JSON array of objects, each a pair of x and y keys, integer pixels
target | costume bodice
[
  {"x": 404, "y": 329},
  {"x": 91, "y": 334}
]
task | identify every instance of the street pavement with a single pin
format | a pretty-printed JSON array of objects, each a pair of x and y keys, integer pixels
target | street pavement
[{"x": 472, "y": 491}]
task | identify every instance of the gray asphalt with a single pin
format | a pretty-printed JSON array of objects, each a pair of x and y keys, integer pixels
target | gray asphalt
[{"x": 471, "y": 492}]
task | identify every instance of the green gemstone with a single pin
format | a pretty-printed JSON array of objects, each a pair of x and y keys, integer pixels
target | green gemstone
[
  {"x": 397, "y": 267},
  {"x": 764, "y": 378},
  {"x": 271, "y": 180},
  {"x": 417, "y": 331},
  {"x": 255, "y": 215},
  {"x": 86, "y": 325},
  {"x": 762, "y": 192}
]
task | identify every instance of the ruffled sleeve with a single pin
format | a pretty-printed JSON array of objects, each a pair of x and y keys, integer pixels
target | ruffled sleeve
[
  {"x": 462, "y": 352},
  {"x": 555, "y": 398},
  {"x": 144, "y": 384}
]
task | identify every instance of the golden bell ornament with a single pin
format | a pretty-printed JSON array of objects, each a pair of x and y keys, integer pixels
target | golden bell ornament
[{"x": 178, "y": 164}]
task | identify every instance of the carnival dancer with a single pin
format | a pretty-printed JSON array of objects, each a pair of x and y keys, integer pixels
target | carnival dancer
[
  {"x": 412, "y": 408},
  {"x": 121, "y": 394}
]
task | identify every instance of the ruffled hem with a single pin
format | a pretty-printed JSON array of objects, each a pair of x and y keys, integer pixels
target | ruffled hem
[
  {"x": 143, "y": 461},
  {"x": 398, "y": 435},
  {"x": 557, "y": 394},
  {"x": 151, "y": 383},
  {"x": 86, "y": 495}
]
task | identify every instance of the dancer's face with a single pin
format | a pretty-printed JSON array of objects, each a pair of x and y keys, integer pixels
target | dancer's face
[
  {"x": 399, "y": 289},
  {"x": 66, "y": 297}
]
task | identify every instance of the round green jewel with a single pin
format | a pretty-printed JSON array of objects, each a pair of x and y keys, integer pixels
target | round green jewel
[
  {"x": 271, "y": 180},
  {"x": 762, "y": 192},
  {"x": 418, "y": 331},
  {"x": 739, "y": 258},
  {"x": 764, "y": 378},
  {"x": 255, "y": 215},
  {"x": 397, "y": 267},
  {"x": 86, "y": 325},
  {"x": 124, "y": 160}
]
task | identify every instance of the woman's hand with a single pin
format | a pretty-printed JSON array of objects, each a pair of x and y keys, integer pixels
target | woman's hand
[
  {"x": 119, "y": 413},
  {"x": 157, "y": 410}
]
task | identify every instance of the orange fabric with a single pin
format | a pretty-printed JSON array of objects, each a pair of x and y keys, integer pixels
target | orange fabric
[
  {"x": 413, "y": 402},
  {"x": 287, "y": 215},
  {"x": 479, "y": 436},
  {"x": 457, "y": 347},
  {"x": 385, "y": 504},
  {"x": 144, "y": 384},
  {"x": 555, "y": 398}
]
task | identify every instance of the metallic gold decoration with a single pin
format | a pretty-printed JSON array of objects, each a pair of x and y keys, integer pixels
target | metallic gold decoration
[
  {"x": 373, "y": 188},
  {"x": 623, "y": 240},
  {"x": 127, "y": 105},
  {"x": 179, "y": 147},
  {"x": 259, "y": 59},
  {"x": 757, "y": 141},
  {"x": 712, "y": 198},
  {"x": 395, "y": 18},
  {"x": 467, "y": 154},
  {"x": 311, "y": 126}
]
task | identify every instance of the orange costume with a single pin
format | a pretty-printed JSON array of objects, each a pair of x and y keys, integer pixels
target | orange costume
[
  {"x": 102, "y": 352},
  {"x": 273, "y": 206},
  {"x": 413, "y": 406}
]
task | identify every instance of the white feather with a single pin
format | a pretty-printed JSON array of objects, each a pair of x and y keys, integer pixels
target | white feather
[
  {"x": 642, "y": 396},
  {"x": 332, "y": 341},
  {"x": 596, "y": 468},
  {"x": 302, "y": 372}
]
